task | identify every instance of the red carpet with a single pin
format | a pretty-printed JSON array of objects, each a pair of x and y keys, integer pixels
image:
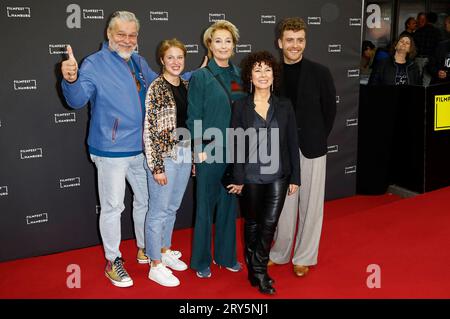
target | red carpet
[{"x": 407, "y": 238}]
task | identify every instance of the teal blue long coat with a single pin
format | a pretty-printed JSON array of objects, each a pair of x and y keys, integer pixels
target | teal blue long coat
[{"x": 208, "y": 102}]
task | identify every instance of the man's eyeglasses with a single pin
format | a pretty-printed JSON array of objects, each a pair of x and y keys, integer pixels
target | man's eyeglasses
[{"x": 122, "y": 36}]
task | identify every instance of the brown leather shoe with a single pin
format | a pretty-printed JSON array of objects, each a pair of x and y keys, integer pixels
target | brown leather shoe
[
  {"x": 300, "y": 270},
  {"x": 270, "y": 263}
]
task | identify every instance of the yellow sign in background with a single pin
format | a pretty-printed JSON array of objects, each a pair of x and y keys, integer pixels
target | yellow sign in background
[{"x": 441, "y": 112}]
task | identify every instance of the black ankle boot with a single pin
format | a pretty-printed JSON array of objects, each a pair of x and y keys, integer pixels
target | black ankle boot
[
  {"x": 248, "y": 260},
  {"x": 254, "y": 281},
  {"x": 263, "y": 283}
]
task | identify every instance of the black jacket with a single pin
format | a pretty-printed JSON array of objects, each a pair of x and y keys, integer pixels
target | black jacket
[
  {"x": 437, "y": 62},
  {"x": 384, "y": 73},
  {"x": 315, "y": 109},
  {"x": 243, "y": 116}
]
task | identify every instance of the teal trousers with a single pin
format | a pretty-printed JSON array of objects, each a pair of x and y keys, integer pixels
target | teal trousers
[{"x": 212, "y": 198}]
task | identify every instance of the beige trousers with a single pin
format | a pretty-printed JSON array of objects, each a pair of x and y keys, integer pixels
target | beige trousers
[{"x": 302, "y": 216}]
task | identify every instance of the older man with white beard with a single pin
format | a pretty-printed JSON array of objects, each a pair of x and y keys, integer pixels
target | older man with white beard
[{"x": 115, "y": 80}]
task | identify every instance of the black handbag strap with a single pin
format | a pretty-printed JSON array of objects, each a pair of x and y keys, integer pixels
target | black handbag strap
[{"x": 223, "y": 85}]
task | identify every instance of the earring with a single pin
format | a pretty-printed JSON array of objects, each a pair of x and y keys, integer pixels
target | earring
[
  {"x": 271, "y": 87},
  {"x": 251, "y": 86}
]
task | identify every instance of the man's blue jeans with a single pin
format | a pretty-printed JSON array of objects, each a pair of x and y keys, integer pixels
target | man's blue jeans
[
  {"x": 165, "y": 201},
  {"x": 112, "y": 175}
]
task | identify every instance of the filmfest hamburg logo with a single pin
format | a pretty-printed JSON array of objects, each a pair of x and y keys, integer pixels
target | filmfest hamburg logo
[
  {"x": 352, "y": 122},
  {"x": 334, "y": 48},
  {"x": 270, "y": 19},
  {"x": 314, "y": 20},
  {"x": 37, "y": 218},
  {"x": 93, "y": 14},
  {"x": 65, "y": 117},
  {"x": 354, "y": 73},
  {"x": 213, "y": 17},
  {"x": 18, "y": 12},
  {"x": 3, "y": 190},
  {"x": 57, "y": 48},
  {"x": 191, "y": 48},
  {"x": 350, "y": 169},
  {"x": 159, "y": 16},
  {"x": 31, "y": 153},
  {"x": 355, "y": 22},
  {"x": 243, "y": 48},
  {"x": 333, "y": 148},
  {"x": 25, "y": 85},
  {"x": 70, "y": 182}
]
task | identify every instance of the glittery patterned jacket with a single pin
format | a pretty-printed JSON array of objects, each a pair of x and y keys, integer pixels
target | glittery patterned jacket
[{"x": 160, "y": 136}]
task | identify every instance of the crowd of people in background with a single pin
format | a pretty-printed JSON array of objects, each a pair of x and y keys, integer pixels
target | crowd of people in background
[{"x": 420, "y": 55}]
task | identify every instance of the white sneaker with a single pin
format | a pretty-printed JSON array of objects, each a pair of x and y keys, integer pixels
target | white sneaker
[
  {"x": 169, "y": 260},
  {"x": 163, "y": 276},
  {"x": 175, "y": 253}
]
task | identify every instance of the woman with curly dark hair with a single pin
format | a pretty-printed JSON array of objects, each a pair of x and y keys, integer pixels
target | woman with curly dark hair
[{"x": 271, "y": 165}]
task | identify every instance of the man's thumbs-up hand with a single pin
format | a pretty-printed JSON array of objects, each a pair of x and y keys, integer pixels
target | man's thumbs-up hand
[{"x": 69, "y": 67}]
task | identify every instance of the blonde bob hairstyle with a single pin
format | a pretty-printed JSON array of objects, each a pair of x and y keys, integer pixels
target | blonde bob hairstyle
[{"x": 220, "y": 25}]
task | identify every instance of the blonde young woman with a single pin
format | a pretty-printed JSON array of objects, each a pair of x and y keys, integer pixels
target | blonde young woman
[{"x": 169, "y": 160}]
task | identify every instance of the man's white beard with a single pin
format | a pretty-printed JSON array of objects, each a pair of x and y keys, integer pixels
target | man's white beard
[{"x": 123, "y": 55}]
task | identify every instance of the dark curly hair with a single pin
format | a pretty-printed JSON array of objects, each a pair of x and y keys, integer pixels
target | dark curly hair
[{"x": 257, "y": 58}]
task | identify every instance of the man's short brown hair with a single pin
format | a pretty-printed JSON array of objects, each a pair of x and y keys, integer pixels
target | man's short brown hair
[{"x": 294, "y": 24}]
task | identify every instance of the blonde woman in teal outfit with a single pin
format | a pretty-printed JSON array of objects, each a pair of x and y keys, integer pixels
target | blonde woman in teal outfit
[{"x": 211, "y": 92}]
